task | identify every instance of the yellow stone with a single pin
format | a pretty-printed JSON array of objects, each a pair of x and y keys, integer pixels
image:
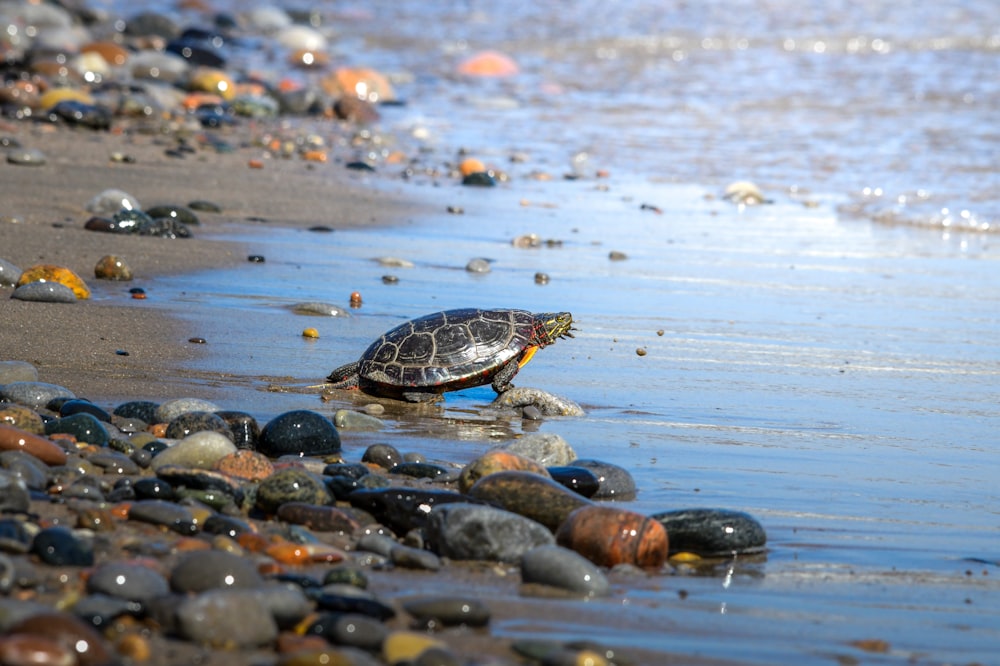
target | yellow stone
[
  {"x": 50, "y": 273},
  {"x": 56, "y": 95},
  {"x": 404, "y": 646},
  {"x": 310, "y": 333},
  {"x": 685, "y": 557},
  {"x": 206, "y": 79}
]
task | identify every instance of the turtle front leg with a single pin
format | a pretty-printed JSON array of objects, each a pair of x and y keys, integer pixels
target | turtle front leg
[
  {"x": 345, "y": 377},
  {"x": 502, "y": 380}
]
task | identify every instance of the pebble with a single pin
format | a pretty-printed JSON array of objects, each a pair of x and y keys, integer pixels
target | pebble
[
  {"x": 547, "y": 449},
  {"x": 26, "y": 157},
  {"x": 578, "y": 479},
  {"x": 25, "y": 467},
  {"x": 229, "y": 619},
  {"x": 143, "y": 410},
  {"x": 407, "y": 557},
  {"x": 536, "y": 497},
  {"x": 478, "y": 265},
  {"x": 563, "y": 568},
  {"x": 80, "y": 638},
  {"x": 403, "y": 509},
  {"x": 608, "y": 536},
  {"x": 291, "y": 485},
  {"x": 245, "y": 465},
  {"x": 112, "y": 267},
  {"x": 9, "y": 275},
  {"x": 446, "y": 611},
  {"x": 125, "y": 580},
  {"x": 385, "y": 456},
  {"x": 320, "y": 518},
  {"x": 14, "y": 495},
  {"x": 476, "y": 532},
  {"x": 299, "y": 432},
  {"x": 495, "y": 461},
  {"x": 15, "y": 439},
  {"x": 84, "y": 427},
  {"x": 201, "y": 450},
  {"x": 548, "y": 404},
  {"x": 44, "y": 292},
  {"x": 616, "y": 482},
  {"x": 21, "y": 417},
  {"x": 59, "y": 546},
  {"x": 193, "y": 422},
  {"x": 31, "y": 650},
  {"x": 244, "y": 428},
  {"x": 77, "y": 406},
  {"x": 713, "y": 532},
  {"x": 49, "y": 273},
  {"x": 352, "y": 629},
  {"x": 159, "y": 512},
  {"x": 348, "y": 419},
  {"x": 406, "y": 647},
  {"x": 171, "y": 409},
  {"x": 200, "y": 571},
  {"x": 318, "y": 309}
]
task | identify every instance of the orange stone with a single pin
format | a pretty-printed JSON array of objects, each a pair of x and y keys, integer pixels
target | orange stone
[
  {"x": 608, "y": 536},
  {"x": 288, "y": 553},
  {"x": 471, "y": 165},
  {"x": 246, "y": 464},
  {"x": 15, "y": 439},
  {"x": 361, "y": 82},
  {"x": 488, "y": 63},
  {"x": 314, "y": 156},
  {"x": 59, "y": 274},
  {"x": 112, "y": 53},
  {"x": 256, "y": 164},
  {"x": 134, "y": 647}
]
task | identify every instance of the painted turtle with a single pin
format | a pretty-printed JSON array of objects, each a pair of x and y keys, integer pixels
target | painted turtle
[{"x": 450, "y": 351}]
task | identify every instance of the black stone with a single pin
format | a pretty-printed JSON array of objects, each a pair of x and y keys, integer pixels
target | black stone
[
  {"x": 58, "y": 546},
  {"x": 403, "y": 509},
  {"x": 578, "y": 479},
  {"x": 712, "y": 532},
  {"x": 299, "y": 432},
  {"x": 243, "y": 427},
  {"x": 192, "y": 422},
  {"x": 71, "y": 407}
]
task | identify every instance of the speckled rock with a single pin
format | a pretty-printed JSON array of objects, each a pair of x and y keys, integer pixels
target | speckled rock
[
  {"x": 563, "y": 568},
  {"x": 21, "y": 417},
  {"x": 202, "y": 450},
  {"x": 84, "y": 642},
  {"x": 477, "y": 532},
  {"x": 84, "y": 427},
  {"x": 713, "y": 532},
  {"x": 547, "y": 449},
  {"x": 291, "y": 485},
  {"x": 171, "y": 409},
  {"x": 536, "y": 497},
  {"x": 192, "y": 422},
  {"x": 299, "y": 432}
]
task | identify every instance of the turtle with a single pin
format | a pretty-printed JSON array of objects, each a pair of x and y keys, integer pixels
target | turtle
[{"x": 451, "y": 350}]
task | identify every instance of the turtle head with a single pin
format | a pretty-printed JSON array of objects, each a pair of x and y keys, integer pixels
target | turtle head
[{"x": 550, "y": 326}]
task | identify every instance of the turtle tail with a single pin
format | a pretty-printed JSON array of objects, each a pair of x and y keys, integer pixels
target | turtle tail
[{"x": 345, "y": 377}]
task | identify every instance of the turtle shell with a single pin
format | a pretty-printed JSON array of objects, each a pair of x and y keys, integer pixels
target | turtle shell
[{"x": 446, "y": 351}]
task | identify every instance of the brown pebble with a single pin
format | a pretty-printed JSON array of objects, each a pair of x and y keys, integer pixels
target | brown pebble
[
  {"x": 15, "y": 439},
  {"x": 608, "y": 536},
  {"x": 111, "y": 267},
  {"x": 197, "y": 341},
  {"x": 355, "y": 299},
  {"x": 615, "y": 255},
  {"x": 69, "y": 632},
  {"x": 246, "y": 464},
  {"x": 23, "y": 418},
  {"x": 30, "y": 650},
  {"x": 134, "y": 647},
  {"x": 495, "y": 461},
  {"x": 641, "y": 351}
]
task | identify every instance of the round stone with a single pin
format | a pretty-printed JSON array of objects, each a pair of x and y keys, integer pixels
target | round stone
[
  {"x": 84, "y": 427},
  {"x": 478, "y": 532},
  {"x": 291, "y": 485},
  {"x": 111, "y": 267},
  {"x": 495, "y": 461},
  {"x": 71, "y": 407},
  {"x": 9, "y": 275},
  {"x": 192, "y": 422},
  {"x": 448, "y": 611},
  {"x": 58, "y": 546},
  {"x": 531, "y": 495},
  {"x": 226, "y": 618},
  {"x": 123, "y": 580},
  {"x": 200, "y": 571},
  {"x": 385, "y": 456},
  {"x": 111, "y": 201},
  {"x": 138, "y": 409},
  {"x": 244, "y": 428},
  {"x": 615, "y": 482},
  {"x": 171, "y": 409},
  {"x": 712, "y": 532},
  {"x": 33, "y": 394},
  {"x": 299, "y": 432},
  {"x": 14, "y": 495},
  {"x": 608, "y": 536},
  {"x": 202, "y": 450},
  {"x": 15, "y": 371},
  {"x": 547, "y": 449}
]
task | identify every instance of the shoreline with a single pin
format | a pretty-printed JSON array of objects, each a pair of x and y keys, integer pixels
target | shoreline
[{"x": 75, "y": 344}]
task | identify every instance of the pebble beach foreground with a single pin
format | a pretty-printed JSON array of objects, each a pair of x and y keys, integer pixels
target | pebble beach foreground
[{"x": 156, "y": 532}]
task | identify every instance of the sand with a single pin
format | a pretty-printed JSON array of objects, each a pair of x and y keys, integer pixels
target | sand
[{"x": 42, "y": 221}]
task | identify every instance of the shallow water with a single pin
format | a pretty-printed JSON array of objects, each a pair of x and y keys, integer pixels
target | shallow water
[{"x": 832, "y": 368}]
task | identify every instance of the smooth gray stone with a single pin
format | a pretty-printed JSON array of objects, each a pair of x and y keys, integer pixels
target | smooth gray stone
[
  {"x": 476, "y": 532},
  {"x": 35, "y": 395},
  {"x": 566, "y": 569},
  {"x": 9, "y": 275},
  {"x": 616, "y": 483},
  {"x": 122, "y": 580},
  {"x": 16, "y": 371},
  {"x": 44, "y": 292}
]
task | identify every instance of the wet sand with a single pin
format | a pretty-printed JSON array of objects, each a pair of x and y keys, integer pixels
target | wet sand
[{"x": 43, "y": 221}]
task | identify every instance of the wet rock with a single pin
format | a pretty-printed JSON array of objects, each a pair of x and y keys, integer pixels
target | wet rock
[
  {"x": 346, "y": 419},
  {"x": 110, "y": 201},
  {"x": 407, "y": 557},
  {"x": 536, "y": 497},
  {"x": 495, "y": 461},
  {"x": 409, "y": 647},
  {"x": 549, "y": 404},
  {"x": 402, "y": 509},
  {"x": 420, "y": 470},
  {"x": 167, "y": 514},
  {"x": 353, "y": 629},
  {"x": 356, "y": 110},
  {"x": 153, "y": 488},
  {"x": 25, "y": 649},
  {"x": 291, "y": 485},
  {"x": 209, "y": 486},
  {"x": 138, "y": 409},
  {"x": 171, "y": 409},
  {"x": 608, "y": 536},
  {"x": 475, "y": 532},
  {"x": 9, "y": 275},
  {"x": 447, "y": 611},
  {"x": 71, "y": 407},
  {"x": 84, "y": 427},
  {"x": 80, "y": 114},
  {"x": 385, "y": 456},
  {"x": 478, "y": 265},
  {"x": 243, "y": 426},
  {"x": 616, "y": 482},
  {"x": 15, "y": 439},
  {"x": 246, "y": 465},
  {"x": 112, "y": 267},
  {"x": 78, "y": 637},
  {"x": 479, "y": 179},
  {"x": 356, "y": 601},
  {"x": 229, "y": 619},
  {"x": 202, "y": 450},
  {"x": 319, "y": 309},
  {"x": 192, "y": 422},
  {"x": 21, "y": 417},
  {"x": 299, "y": 432},
  {"x": 44, "y": 292},
  {"x": 319, "y": 518},
  {"x": 27, "y": 468},
  {"x": 14, "y": 495},
  {"x": 101, "y": 609},
  {"x": 160, "y": 228},
  {"x": 59, "y": 546},
  {"x": 26, "y": 157},
  {"x": 182, "y": 214},
  {"x": 204, "y": 570},
  {"x": 712, "y": 532},
  {"x": 547, "y": 449},
  {"x": 565, "y": 569},
  {"x": 578, "y": 479},
  {"x": 123, "y": 580}
]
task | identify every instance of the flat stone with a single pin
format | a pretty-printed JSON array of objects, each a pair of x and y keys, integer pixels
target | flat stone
[
  {"x": 35, "y": 395},
  {"x": 44, "y": 292},
  {"x": 563, "y": 568},
  {"x": 123, "y": 580},
  {"x": 213, "y": 569},
  {"x": 229, "y": 618}
]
